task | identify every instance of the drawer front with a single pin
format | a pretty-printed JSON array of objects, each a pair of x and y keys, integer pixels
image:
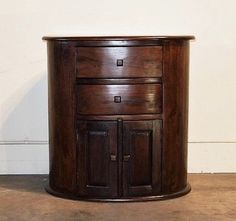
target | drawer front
[
  {"x": 119, "y": 99},
  {"x": 116, "y": 62}
]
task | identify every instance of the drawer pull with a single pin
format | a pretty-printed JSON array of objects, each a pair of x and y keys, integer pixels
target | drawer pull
[
  {"x": 117, "y": 99},
  {"x": 126, "y": 158},
  {"x": 113, "y": 157},
  {"x": 119, "y": 62}
]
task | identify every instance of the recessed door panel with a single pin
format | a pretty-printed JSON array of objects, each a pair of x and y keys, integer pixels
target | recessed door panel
[
  {"x": 141, "y": 164},
  {"x": 98, "y": 158},
  {"x": 97, "y": 161},
  {"x": 141, "y": 157}
]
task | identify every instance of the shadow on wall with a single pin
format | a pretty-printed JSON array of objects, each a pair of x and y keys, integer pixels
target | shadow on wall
[{"x": 24, "y": 131}]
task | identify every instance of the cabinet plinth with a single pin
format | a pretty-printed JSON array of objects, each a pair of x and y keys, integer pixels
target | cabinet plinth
[{"x": 118, "y": 117}]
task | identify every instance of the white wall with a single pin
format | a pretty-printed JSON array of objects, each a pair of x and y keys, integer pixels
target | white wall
[{"x": 23, "y": 70}]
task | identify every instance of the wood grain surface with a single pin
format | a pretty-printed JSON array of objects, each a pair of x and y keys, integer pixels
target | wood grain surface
[{"x": 118, "y": 117}]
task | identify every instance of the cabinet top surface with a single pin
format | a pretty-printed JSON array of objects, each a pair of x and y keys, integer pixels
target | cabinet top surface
[{"x": 117, "y": 38}]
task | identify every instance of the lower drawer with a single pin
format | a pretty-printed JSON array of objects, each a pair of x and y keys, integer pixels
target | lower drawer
[{"x": 119, "y": 99}]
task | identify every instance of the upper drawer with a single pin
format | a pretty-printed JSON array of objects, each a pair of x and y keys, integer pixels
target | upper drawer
[
  {"x": 116, "y": 62},
  {"x": 119, "y": 99}
]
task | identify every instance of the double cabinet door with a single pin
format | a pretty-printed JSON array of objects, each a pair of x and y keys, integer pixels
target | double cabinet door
[{"x": 119, "y": 158}]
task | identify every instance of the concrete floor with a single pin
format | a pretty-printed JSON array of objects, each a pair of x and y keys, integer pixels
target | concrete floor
[{"x": 213, "y": 198}]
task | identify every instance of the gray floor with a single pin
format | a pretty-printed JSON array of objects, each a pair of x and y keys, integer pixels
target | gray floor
[{"x": 213, "y": 198}]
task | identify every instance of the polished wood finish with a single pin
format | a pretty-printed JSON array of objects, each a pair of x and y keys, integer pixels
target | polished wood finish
[
  {"x": 119, "y": 62},
  {"x": 131, "y": 39},
  {"x": 62, "y": 136},
  {"x": 175, "y": 120},
  {"x": 118, "y": 116},
  {"x": 119, "y": 99},
  {"x": 119, "y": 80},
  {"x": 122, "y": 116},
  {"x": 69, "y": 195},
  {"x": 142, "y": 158},
  {"x": 97, "y": 158}
]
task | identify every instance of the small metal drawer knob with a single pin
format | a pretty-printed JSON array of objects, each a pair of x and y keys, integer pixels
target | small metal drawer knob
[
  {"x": 113, "y": 157},
  {"x": 126, "y": 158},
  {"x": 117, "y": 99},
  {"x": 119, "y": 62}
]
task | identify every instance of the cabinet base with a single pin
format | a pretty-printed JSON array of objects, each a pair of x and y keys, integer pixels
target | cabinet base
[{"x": 182, "y": 192}]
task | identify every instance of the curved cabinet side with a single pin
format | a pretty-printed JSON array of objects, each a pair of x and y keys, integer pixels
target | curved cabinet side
[
  {"x": 175, "y": 116},
  {"x": 62, "y": 142}
]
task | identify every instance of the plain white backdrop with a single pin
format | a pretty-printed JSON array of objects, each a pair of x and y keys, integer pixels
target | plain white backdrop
[{"x": 23, "y": 70}]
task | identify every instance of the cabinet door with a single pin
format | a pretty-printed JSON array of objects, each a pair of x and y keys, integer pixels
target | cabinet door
[
  {"x": 97, "y": 158},
  {"x": 141, "y": 157}
]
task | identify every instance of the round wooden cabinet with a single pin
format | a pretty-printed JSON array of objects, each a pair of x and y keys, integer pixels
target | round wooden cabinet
[{"x": 118, "y": 116}]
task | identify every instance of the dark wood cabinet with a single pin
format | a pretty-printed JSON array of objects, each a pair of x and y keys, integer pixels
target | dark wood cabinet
[{"x": 118, "y": 116}]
